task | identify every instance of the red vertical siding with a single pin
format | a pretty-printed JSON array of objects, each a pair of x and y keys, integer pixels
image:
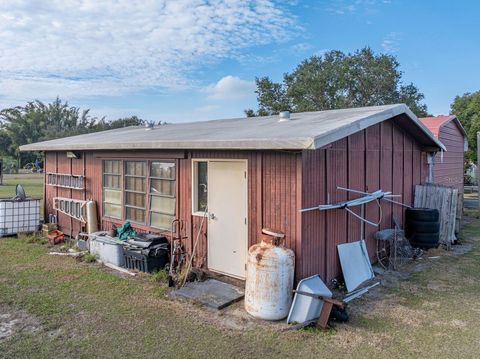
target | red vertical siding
[
  {"x": 398, "y": 172},
  {"x": 448, "y": 169},
  {"x": 372, "y": 181},
  {"x": 314, "y": 236},
  {"x": 58, "y": 162},
  {"x": 380, "y": 157},
  {"x": 279, "y": 184},
  {"x": 336, "y": 220},
  {"x": 386, "y": 168},
  {"x": 64, "y": 166},
  {"x": 50, "y": 192},
  {"x": 356, "y": 162},
  {"x": 274, "y": 194}
]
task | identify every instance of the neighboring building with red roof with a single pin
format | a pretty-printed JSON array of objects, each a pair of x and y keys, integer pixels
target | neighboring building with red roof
[{"x": 449, "y": 166}]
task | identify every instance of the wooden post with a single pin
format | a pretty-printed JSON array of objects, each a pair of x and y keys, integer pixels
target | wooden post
[{"x": 326, "y": 310}]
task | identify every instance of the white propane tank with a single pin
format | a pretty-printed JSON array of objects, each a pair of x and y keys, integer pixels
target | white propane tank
[{"x": 269, "y": 282}]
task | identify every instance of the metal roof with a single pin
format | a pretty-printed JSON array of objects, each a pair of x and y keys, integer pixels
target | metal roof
[
  {"x": 307, "y": 130},
  {"x": 435, "y": 123}
]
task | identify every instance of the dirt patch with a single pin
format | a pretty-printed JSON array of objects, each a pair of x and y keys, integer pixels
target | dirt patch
[
  {"x": 13, "y": 322},
  {"x": 349, "y": 339},
  {"x": 379, "y": 302},
  {"x": 233, "y": 317}
]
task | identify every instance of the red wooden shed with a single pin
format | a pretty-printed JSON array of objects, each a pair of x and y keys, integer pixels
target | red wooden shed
[
  {"x": 448, "y": 168},
  {"x": 247, "y": 174}
]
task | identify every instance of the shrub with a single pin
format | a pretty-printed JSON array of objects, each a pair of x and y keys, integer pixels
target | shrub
[
  {"x": 89, "y": 258},
  {"x": 160, "y": 276}
]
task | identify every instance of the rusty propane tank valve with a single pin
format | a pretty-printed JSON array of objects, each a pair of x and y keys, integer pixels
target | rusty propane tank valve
[{"x": 276, "y": 236}]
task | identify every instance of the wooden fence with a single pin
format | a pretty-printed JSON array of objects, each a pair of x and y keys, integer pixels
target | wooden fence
[{"x": 445, "y": 200}]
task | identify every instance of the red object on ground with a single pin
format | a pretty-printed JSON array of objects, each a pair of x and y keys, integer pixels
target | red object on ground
[{"x": 56, "y": 237}]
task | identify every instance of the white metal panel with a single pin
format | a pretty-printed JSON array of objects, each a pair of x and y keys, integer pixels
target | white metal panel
[
  {"x": 355, "y": 263},
  {"x": 305, "y": 308},
  {"x": 227, "y": 224}
]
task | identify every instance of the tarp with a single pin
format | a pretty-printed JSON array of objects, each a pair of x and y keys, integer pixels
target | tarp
[{"x": 125, "y": 231}]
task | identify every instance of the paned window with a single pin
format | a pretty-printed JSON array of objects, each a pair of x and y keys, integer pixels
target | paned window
[
  {"x": 200, "y": 195},
  {"x": 135, "y": 184},
  {"x": 112, "y": 190},
  {"x": 162, "y": 194},
  {"x": 146, "y": 190}
]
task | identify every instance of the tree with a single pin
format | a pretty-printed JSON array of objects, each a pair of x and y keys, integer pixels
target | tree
[
  {"x": 272, "y": 97},
  {"x": 37, "y": 121},
  {"x": 412, "y": 97},
  {"x": 103, "y": 125},
  {"x": 337, "y": 80},
  {"x": 467, "y": 110}
]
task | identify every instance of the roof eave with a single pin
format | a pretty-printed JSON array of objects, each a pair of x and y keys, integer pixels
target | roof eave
[
  {"x": 371, "y": 120},
  {"x": 424, "y": 128},
  {"x": 290, "y": 144}
]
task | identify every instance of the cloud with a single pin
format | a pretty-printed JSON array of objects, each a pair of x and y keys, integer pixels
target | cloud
[
  {"x": 391, "y": 42},
  {"x": 230, "y": 88},
  {"x": 350, "y": 7},
  {"x": 301, "y": 47},
  {"x": 207, "y": 108},
  {"x": 78, "y": 48}
]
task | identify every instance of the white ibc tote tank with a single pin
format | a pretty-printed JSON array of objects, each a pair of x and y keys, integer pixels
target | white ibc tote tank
[{"x": 269, "y": 282}]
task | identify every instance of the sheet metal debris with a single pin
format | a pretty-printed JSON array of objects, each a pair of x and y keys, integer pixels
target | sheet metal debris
[
  {"x": 305, "y": 308},
  {"x": 355, "y": 263}
]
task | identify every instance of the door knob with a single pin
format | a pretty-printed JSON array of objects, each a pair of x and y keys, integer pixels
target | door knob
[{"x": 212, "y": 216}]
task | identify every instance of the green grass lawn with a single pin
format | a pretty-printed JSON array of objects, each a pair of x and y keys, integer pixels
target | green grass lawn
[
  {"x": 31, "y": 182},
  {"x": 81, "y": 310}
]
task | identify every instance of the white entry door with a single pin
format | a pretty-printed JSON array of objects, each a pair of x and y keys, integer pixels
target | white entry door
[{"x": 227, "y": 223}]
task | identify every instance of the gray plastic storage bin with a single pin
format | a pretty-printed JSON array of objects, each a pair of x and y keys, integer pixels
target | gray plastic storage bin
[{"x": 106, "y": 248}]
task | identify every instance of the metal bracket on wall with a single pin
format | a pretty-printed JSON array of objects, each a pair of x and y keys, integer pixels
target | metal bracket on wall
[
  {"x": 66, "y": 181},
  {"x": 74, "y": 208}
]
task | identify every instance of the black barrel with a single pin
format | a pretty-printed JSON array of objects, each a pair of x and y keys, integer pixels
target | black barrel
[{"x": 422, "y": 227}]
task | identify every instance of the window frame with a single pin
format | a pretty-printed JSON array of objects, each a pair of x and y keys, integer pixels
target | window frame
[
  {"x": 150, "y": 193},
  {"x": 147, "y": 224},
  {"x": 108, "y": 188},
  {"x": 125, "y": 191},
  {"x": 195, "y": 211}
]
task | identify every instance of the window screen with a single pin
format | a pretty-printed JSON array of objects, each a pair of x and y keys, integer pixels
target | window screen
[{"x": 162, "y": 194}]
